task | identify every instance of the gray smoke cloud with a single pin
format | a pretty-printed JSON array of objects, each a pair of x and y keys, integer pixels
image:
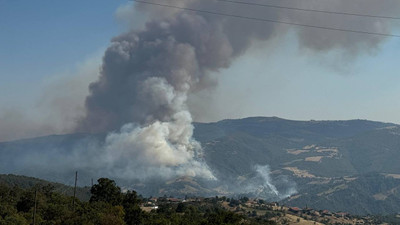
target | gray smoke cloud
[
  {"x": 146, "y": 78},
  {"x": 322, "y": 40},
  {"x": 182, "y": 49},
  {"x": 148, "y": 74}
]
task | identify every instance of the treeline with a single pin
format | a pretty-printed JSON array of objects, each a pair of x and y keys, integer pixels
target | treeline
[
  {"x": 24, "y": 182},
  {"x": 108, "y": 205}
]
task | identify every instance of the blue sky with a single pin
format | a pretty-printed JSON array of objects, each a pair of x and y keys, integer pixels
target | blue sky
[
  {"x": 40, "y": 43},
  {"x": 367, "y": 88},
  {"x": 40, "y": 40}
]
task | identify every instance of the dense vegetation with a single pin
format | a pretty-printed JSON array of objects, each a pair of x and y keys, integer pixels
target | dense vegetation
[
  {"x": 107, "y": 206},
  {"x": 82, "y": 193}
]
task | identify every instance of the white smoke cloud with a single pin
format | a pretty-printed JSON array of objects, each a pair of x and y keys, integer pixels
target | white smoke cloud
[
  {"x": 135, "y": 153},
  {"x": 262, "y": 185},
  {"x": 161, "y": 149}
]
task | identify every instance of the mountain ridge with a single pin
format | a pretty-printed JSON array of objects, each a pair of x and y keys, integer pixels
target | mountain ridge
[{"x": 309, "y": 156}]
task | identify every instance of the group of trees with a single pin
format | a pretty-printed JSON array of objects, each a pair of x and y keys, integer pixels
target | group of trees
[{"x": 108, "y": 205}]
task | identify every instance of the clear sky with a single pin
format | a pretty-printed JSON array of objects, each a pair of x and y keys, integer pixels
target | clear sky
[
  {"x": 38, "y": 41},
  {"x": 50, "y": 40},
  {"x": 292, "y": 84}
]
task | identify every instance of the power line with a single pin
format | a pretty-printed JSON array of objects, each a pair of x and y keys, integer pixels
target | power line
[
  {"x": 310, "y": 10},
  {"x": 268, "y": 20}
]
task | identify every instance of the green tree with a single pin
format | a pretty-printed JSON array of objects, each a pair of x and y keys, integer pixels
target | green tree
[
  {"x": 15, "y": 219},
  {"x": 106, "y": 191},
  {"x": 180, "y": 208},
  {"x": 26, "y": 202},
  {"x": 133, "y": 213},
  {"x": 113, "y": 216}
]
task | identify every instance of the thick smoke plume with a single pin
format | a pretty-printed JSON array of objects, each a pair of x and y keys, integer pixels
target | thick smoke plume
[{"x": 147, "y": 75}]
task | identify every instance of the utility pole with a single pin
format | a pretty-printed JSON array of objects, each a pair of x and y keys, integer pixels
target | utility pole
[
  {"x": 34, "y": 209},
  {"x": 73, "y": 200}
]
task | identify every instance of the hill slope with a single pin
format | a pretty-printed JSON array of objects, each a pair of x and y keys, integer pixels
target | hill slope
[
  {"x": 329, "y": 163},
  {"x": 24, "y": 182}
]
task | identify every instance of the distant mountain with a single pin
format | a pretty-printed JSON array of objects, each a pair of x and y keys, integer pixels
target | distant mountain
[
  {"x": 371, "y": 193},
  {"x": 323, "y": 148},
  {"x": 337, "y": 165}
]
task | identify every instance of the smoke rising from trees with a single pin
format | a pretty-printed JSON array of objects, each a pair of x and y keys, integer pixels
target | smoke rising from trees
[
  {"x": 147, "y": 74},
  {"x": 140, "y": 97}
]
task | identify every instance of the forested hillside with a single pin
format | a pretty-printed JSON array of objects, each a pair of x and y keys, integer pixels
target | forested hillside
[
  {"x": 319, "y": 163},
  {"x": 24, "y": 182}
]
